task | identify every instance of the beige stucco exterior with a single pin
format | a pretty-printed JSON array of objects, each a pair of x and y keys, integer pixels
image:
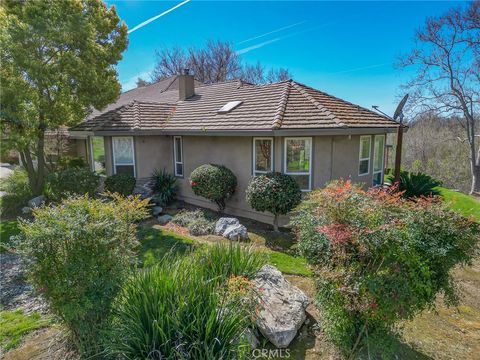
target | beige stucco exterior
[{"x": 333, "y": 157}]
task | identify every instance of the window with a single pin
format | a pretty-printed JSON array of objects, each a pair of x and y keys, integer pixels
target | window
[
  {"x": 364, "y": 164},
  {"x": 123, "y": 155},
  {"x": 298, "y": 161},
  {"x": 262, "y": 155},
  {"x": 378, "y": 153},
  {"x": 97, "y": 154},
  {"x": 178, "y": 155}
]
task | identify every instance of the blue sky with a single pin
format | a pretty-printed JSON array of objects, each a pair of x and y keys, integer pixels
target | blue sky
[{"x": 347, "y": 49}]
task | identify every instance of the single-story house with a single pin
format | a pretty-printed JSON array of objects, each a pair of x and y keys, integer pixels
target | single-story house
[{"x": 179, "y": 124}]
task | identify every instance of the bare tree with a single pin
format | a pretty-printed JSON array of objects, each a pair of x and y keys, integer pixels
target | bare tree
[
  {"x": 141, "y": 83},
  {"x": 216, "y": 61},
  {"x": 446, "y": 58}
]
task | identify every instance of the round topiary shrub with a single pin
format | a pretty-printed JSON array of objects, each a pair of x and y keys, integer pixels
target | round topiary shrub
[
  {"x": 71, "y": 181},
  {"x": 120, "y": 183},
  {"x": 273, "y": 192},
  {"x": 213, "y": 182}
]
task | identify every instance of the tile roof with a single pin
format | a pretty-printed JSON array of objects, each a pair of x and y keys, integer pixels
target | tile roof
[{"x": 284, "y": 105}]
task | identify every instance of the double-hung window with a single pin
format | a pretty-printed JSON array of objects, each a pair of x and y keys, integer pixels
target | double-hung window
[
  {"x": 364, "y": 155},
  {"x": 262, "y": 155},
  {"x": 298, "y": 161},
  {"x": 97, "y": 154},
  {"x": 178, "y": 155},
  {"x": 378, "y": 154},
  {"x": 123, "y": 155}
]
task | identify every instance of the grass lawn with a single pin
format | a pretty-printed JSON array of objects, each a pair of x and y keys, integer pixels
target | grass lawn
[
  {"x": 7, "y": 229},
  {"x": 15, "y": 324},
  {"x": 464, "y": 204}
]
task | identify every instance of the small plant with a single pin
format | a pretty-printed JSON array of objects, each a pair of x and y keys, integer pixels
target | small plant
[
  {"x": 120, "y": 183},
  {"x": 71, "y": 181},
  {"x": 18, "y": 192},
  {"x": 273, "y": 192},
  {"x": 213, "y": 182},
  {"x": 183, "y": 309},
  {"x": 81, "y": 252},
  {"x": 164, "y": 186},
  {"x": 379, "y": 258},
  {"x": 197, "y": 221},
  {"x": 414, "y": 185}
]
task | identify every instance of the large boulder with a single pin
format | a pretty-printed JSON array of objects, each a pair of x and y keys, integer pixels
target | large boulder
[
  {"x": 236, "y": 232},
  {"x": 157, "y": 210},
  {"x": 283, "y": 306},
  {"x": 164, "y": 219},
  {"x": 36, "y": 201},
  {"x": 223, "y": 223}
]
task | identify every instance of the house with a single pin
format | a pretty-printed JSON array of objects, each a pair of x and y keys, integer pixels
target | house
[{"x": 178, "y": 125}]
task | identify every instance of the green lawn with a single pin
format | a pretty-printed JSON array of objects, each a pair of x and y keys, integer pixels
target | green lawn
[
  {"x": 7, "y": 229},
  {"x": 464, "y": 204},
  {"x": 15, "y": 324}
]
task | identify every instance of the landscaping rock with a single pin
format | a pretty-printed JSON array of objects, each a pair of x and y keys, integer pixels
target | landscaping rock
[
  {"x": 164, "y": 219},
  {"x": 36, "y": 201},
  {"x": 223, "y": 223},
  {"x": 157, "y": 210},
  {"x": 236, "y": 232},
  {"x": 283, "y": 306},
  {"x": 251, "y": 335},
  {"x": 26, "y": 210}
]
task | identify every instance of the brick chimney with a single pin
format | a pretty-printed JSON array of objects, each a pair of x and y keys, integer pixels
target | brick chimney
[{"x": 186, "y": 85}]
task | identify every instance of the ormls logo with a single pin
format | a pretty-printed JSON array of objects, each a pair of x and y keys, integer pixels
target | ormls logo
[{"x": 271, "y": 353}]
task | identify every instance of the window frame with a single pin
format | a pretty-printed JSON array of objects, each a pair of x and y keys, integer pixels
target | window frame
[
  {"x": 382, "y": 167},
  {"x": 175, "y": 162},
  {"x": 285, "y": 167},
  {"x": 92, "y": 154},
  {"x": 360, "y": 159},
  {"x": 133, "y": 153},
  {"x": 256, "y": 172}
]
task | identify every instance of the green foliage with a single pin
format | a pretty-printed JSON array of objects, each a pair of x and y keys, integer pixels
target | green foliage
[
  {"x": 7, "y": 230},
  {"x": 416, "y": 184},
  {"x": 164, "y": 186},
  {"x": 213, "y": 182},
  {"x": 120, "y": 183},
  {"x": 66, "y": 162},
  {"x": 273, "y": 192},
  {"x": 379, "y": 258},
  {"x": 465, "y": 205},
  {"x": 71, "y": 181},
  {"x": 15, "y": 324},
  {"x": 58, "y": 61},
  {"x": 18, "y": 192},
  {"x": 191, "y": 308},
  {"x": 198, "y": 222},
  {"x": 81, "y": 252}
]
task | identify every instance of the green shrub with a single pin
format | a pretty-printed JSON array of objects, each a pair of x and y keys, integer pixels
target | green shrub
[
  {"x": 187, "y": 308},
  {"x": 71, "y": 181},
  {"x": 120, "y": 183},
  {"x": 18, "y": 192},
  {"x": 416, "y": 184},
  {"x": 379, "y": 258},
  {"x": 198, "y": 222},
  {"x": 213, "y": 182},
  {"x": 273, "y": 192},
  {"x": 164, "y": 187},
  {"x": 81, "y": 251},
  {"x": 66, "y": 162}
]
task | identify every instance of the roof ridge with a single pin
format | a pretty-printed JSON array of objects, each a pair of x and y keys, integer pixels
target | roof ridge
[
  {"x": 174, "y": 77},
  {"x": 136, "y": 116},
  {"x": 280, "y": 111}
]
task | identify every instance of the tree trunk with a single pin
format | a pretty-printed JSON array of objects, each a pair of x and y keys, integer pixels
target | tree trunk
[
  {"x": 475, "y": 166},
  {"x": 275, "y": 222},
  {"x": 36, "y": 177}
]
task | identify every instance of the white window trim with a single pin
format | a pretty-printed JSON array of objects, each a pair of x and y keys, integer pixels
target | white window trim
[
  {"x": 175, "y": 162},
  {"x": 113, "y": 154},
  {"x": 382, "y": 168},
  {"x": 285, "y": 169},
  {"x": 360, "y": 154},
  {"x": 254, "y": 170}
]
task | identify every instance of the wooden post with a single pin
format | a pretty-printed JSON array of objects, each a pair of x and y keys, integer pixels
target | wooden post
[{"x": 398, "y": 150}]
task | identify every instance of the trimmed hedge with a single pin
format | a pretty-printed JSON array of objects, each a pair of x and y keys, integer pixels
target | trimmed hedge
[
  {"x": 71, "y": 181},
  {"x": 120, "y": 183}
]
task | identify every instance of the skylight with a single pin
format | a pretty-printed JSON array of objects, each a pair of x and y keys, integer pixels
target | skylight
[{"x": 229, "y": 107}]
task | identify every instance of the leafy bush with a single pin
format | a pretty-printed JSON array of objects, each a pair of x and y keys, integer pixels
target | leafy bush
[
  {"x": 273, "y": 192},
  {"x": 18, "y": 192},
  {"x": 379, "y": 258},
  {"x": 198, "y": 222},
  {"x": 66, "y": 162},
  {"x": 81, "y": 251},
  {"x": 120, "y": 183},
  {"x": 213, "y": 182},
  {"x": 71, "y": 181},
  {"x": 191, "y": 308},
  {"x": 164, "y": 186},
  {"x": 416, "y": 184}
]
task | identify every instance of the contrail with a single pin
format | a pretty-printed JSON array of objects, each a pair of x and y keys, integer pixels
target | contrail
[
  {"x": 359, "y": 68},
  {"x": 146, "y": 22},
  {"x": 272, "y": 32}
]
